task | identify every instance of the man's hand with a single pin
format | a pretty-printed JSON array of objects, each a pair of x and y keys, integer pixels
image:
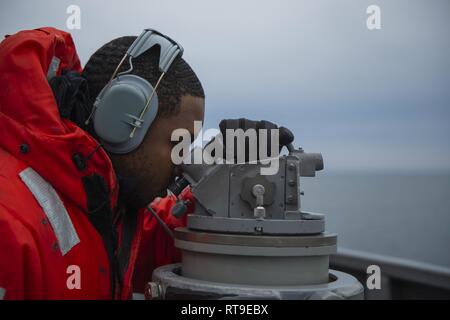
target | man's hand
[{"x": 285, "y": 135}]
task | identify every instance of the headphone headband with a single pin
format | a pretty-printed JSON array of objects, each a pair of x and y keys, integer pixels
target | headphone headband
[{"x": 170, "y": 49}]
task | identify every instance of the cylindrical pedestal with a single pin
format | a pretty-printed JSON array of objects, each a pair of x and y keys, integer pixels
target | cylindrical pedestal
[
  {"x": 235, "y": 266},
  {"x": 255, "y": 259},
  {"x": 169, "y": 284}
]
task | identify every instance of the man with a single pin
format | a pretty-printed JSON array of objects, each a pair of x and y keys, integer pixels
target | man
[{"x": 71, "y": 217}]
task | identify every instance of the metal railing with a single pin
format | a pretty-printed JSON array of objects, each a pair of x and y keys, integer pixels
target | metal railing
[{"x": 400, "y": 278}]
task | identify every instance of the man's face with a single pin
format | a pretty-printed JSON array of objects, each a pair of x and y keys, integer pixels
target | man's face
[{"x": 150, "y": 166}]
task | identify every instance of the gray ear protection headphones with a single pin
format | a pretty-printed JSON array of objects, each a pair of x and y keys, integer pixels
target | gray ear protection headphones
[{"x": 126, "y": 107}]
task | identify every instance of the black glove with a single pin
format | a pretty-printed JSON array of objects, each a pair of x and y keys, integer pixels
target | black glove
[{"x": 285, "y": 135}]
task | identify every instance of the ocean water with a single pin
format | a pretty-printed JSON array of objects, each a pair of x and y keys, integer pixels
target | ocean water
[{"x": 396, "y": 214}]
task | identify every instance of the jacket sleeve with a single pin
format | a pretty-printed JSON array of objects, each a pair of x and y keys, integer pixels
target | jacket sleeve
[
  {"x": 18, "y": 258},
  {"x": 157, "y": 247}
]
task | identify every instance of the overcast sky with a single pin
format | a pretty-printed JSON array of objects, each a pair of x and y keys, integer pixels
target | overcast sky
[{"x": 377, "y": 100}]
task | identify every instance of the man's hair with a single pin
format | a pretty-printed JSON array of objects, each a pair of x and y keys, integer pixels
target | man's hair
[{"x": 179, "y": 80}]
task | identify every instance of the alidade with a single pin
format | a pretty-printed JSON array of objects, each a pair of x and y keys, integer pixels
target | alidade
[{"x": 249, "y": 238}]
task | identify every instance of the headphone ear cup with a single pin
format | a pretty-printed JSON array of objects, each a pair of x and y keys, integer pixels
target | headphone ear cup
[{"x": 118, "y": 111}]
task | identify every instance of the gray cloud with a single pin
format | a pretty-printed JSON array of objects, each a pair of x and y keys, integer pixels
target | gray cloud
[{"x": 366, "y": 99}]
